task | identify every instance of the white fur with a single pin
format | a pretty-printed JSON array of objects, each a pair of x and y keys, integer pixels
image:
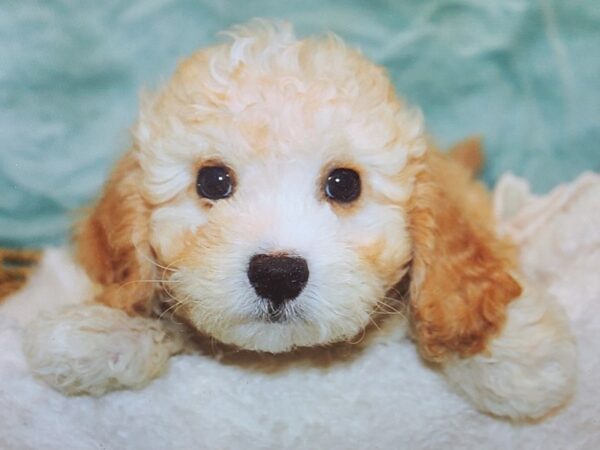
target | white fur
[
  {"x": 78, "y": 347},
  {"x": 93, "y": 349},
  {"x": 275, "y": 216},
  {"x": 280, "y": 113},
  {"x": 383, "y": 397},
  {"x": 67, "y": 285},
  {"x": 530, "y": 369},
  {"x": 168, "y": 223}
]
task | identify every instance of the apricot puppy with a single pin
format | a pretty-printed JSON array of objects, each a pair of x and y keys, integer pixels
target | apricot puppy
[{"x": 280, "y": 188}]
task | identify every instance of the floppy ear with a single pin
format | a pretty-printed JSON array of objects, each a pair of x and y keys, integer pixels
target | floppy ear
[
  {"x": 461, "y": 281},
  {"x": 112, "y": 242}
]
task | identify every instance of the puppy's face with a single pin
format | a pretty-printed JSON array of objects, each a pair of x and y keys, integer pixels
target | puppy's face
[{"x": 277, "y": 174}]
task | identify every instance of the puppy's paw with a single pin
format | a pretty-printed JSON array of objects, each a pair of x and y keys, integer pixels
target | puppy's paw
[
  {"x": 93, "y": 349},
  {"x": 529, "y": 370}
]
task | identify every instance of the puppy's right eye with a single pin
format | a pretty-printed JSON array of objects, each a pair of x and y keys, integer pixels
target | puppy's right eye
[
  {"x": 214, "y": 182},
  {"x": 342, "y": 185}
]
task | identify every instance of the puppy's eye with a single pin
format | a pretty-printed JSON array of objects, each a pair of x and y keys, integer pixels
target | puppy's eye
[
  {"x": 214, "y": 182},
  {"x": 343, "y": 185}
]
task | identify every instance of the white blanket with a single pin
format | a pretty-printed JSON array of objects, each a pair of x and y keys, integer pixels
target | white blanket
[{"x": 384, "y": 398}]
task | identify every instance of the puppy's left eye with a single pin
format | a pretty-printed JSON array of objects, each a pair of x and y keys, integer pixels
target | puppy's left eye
[
  {"x": 342, "y": 185},
  {"x": 214, "y": 182}
]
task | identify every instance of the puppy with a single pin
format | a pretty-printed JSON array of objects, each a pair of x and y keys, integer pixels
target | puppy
[{"x": 278, "y": 190}]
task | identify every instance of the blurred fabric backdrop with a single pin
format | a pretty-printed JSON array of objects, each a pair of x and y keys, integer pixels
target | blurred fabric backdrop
[{"x": 524, "y": 74}]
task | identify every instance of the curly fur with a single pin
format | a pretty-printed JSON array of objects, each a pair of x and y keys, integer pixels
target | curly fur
[
  {"x": 93, "y": 349},
  {"x": 281, "y": 113}
]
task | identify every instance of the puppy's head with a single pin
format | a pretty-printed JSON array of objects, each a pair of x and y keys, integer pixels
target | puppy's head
[{"x": 270, "y": 183}]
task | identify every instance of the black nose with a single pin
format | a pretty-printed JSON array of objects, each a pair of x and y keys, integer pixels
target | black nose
[{"x": 278, "y": 278}]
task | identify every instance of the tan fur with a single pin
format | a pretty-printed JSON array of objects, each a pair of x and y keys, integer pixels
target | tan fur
[
  {"x": 281, "y": 113},
  {"x": 468, "y": 153},
  {"x": 461, "y": 270},
  {"x": 112, "y": 242},
  {"x": 15, "y": 266}
]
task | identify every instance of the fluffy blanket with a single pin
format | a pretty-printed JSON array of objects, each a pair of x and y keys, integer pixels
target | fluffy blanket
[{"x": 381, "y": 398}]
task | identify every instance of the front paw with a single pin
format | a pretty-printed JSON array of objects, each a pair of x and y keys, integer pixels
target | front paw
[
  {"x": 93, "y": 349},
  {"x": 529, "y": 370}
]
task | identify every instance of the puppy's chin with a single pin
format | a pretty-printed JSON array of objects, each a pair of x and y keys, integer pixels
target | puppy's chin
[{"x": 281, "y": 337}]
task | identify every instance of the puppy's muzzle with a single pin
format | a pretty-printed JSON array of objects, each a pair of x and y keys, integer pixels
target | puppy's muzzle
[{"x": 277, "y": 278}]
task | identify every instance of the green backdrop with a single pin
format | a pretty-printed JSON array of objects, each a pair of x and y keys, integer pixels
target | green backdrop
[{"x": 524, "y": 74}]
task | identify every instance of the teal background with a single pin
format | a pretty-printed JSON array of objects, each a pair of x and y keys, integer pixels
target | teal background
[{"x": 523, "y": 74}]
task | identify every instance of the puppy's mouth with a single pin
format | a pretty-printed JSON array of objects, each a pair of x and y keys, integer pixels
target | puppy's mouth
[{"x": 274, "y": 312}]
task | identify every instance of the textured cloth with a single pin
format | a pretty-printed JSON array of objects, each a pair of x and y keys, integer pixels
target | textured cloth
[
  {"x": 384, "y": 398},
  {"x": 521, "y": 73}
]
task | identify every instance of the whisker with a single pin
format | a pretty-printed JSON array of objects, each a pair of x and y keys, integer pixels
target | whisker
[
  {"x": 151, "y": 281},
  {"x": 389, "y": 306},
  {"x": 174, "y": 312},
  {"x": 402, "y": 296},
  {"x": 390, "y": 313},
  {"x": 362, "y": 336},
  {"x": 159, "y": 282},
  {"x": 165, "y": 269},
  {"x": 178, "y": 303},
  {"x": 374, "y": 323},
  {"x": 386, "y": 307},
  {"x": 170, "y": 268},
  {"x": 147, "y": 258},
  {"x": 172, "y": 295}
]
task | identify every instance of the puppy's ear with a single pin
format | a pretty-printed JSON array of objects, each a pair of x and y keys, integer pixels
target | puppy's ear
[
  {"x": 469, "y": 154},
  {"x": 112, "y": 242},
  {"x": 461, "y": 283}
]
